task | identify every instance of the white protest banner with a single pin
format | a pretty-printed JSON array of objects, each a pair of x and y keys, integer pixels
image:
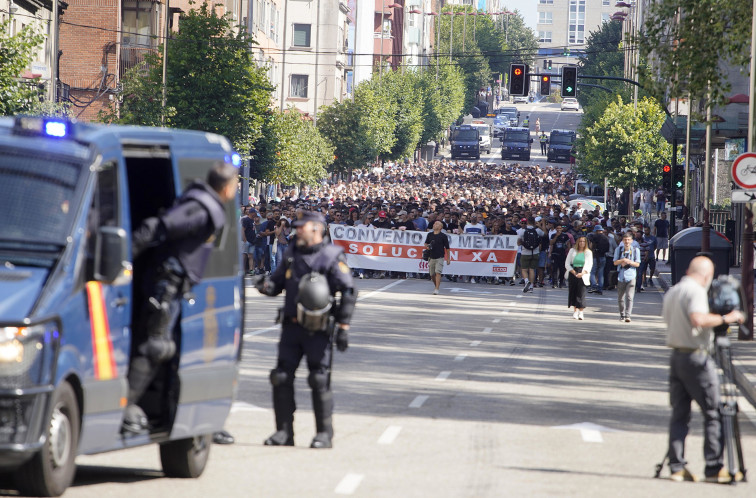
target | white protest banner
[{"x": 401, "y": 250}]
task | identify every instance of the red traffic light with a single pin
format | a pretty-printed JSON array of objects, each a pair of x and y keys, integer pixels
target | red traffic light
[
  {"x": 666, "y": 168},
  {"x": 517, "y": 71}
]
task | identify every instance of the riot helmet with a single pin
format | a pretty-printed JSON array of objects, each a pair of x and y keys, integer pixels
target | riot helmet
[{"x": 314, "y": 302}]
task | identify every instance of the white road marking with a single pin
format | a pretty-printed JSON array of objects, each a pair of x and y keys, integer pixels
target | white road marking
[
  {"x": 443, "y": 375},
  {"x": 487, "y": 330},
  {"x": 497, "y": 320},
  {"x": 475, "y": 343},
  {"x": 378, "y": 291},
  {"x": 241, "y": 406},
  {"x": 418, "y": 401},
  {"x": 511, "y": 303},
  {"x": 349, "y": 484},
  {"x": 390, "y": 434},
  {"x": 518, "y": 296},
  {"x": 259, "y": 331},
  {"x": 591, "y": 436},
  {"x": 460, "y": 357}
]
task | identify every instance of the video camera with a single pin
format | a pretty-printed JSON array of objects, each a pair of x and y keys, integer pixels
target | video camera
[{"x": 724, "y": 297}]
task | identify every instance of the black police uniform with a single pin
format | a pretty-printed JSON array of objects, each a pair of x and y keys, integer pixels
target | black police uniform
[
  {"x": 174, "y": 249},
  {"x": 297, "y": 341}
]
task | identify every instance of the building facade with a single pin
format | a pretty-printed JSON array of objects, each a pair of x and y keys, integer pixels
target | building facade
[{"x": 564, "y": 27}]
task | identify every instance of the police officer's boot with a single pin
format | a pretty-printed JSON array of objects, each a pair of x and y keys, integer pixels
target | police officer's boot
[
  {"x": 283, "y": 406},
  {"x": 140, "y": 375},
  {"x": 322, "y": 406}
]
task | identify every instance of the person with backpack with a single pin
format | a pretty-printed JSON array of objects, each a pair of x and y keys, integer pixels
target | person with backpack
[
  {"x": 560, "y": 244},
  {"x": 600, "y": 246},
  {"x": 529, "y": 240}
]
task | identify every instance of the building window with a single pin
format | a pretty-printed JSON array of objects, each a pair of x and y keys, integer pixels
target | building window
[
  {"x": 544, "y": 36},
  {"x": 605, "y": 17},
  {"x": 606, "y": 3},
  {"x": 302, "y": 35},
  {"x": 298, "y": 88},
  {"x": 139, "y": 23},
  {"x": 548, "y": 2},
  {"x": 577, "y": 22},
  {"x": 545, "y": 17}
]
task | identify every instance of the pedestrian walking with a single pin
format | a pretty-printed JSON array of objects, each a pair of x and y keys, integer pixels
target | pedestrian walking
[
  {"x": 661, "y": 231},
  {"x": 626, "y": 258},
  {"x": 693, "y": 372},
  {"x": 538, "y": 126},
  {"x": 578, "y": 264},
  {"x": 560, "y": 245},
  {"x": 599, "y": 245},
  {"x": 529, "y": 239},
  {"x": 313, "y": 273},
  {"x": 437, "y": 243}
]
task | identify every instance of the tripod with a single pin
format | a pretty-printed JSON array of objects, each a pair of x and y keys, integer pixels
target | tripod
[{"x": 728, "y": 409}]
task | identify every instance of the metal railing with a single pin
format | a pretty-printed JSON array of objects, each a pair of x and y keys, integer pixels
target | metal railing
[{"x": 132, "y": 57}]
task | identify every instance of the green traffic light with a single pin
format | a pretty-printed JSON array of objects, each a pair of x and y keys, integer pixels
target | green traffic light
[
  {"x": 569, "y": 89},
  {"x": 679, "y": 184}
]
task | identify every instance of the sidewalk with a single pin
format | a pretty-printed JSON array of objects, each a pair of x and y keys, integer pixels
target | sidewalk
[{"x": 743, "y": 352}]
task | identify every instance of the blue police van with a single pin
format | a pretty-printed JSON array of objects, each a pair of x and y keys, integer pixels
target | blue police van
[{"x": 70, "y": 194}]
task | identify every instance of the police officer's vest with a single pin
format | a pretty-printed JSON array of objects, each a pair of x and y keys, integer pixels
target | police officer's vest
[
  {"x": 299, "y": 263},
  {"x": 193, "y": 250}
]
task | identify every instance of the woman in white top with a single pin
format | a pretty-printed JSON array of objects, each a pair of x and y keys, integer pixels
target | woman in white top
[{"x": 578, "y": 264}]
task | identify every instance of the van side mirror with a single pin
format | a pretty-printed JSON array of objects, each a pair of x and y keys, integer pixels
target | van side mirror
[
  {"x": 531, "y": 140},
  {"x": 111, "y": 253}
]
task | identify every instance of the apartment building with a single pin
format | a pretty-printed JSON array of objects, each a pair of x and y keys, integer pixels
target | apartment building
[
  {"x": 102, "y": 39},
  {"x": 314, "y": 59},
  {"x": 564, "y": 26},
  {"x": 36, "y": 14}
]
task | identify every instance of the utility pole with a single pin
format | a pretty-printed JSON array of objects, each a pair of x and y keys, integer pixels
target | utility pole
[
  {"x": 746, "y": 265},
  {"x": 165, "y": 60},
  {"x": 54, "y": 56}
]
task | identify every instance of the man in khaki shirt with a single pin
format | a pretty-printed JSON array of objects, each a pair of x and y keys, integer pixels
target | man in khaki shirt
[{"x": 693, "y": 372}]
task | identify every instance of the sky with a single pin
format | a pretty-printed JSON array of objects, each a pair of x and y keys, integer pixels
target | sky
[{"x": 529, "y": 11}]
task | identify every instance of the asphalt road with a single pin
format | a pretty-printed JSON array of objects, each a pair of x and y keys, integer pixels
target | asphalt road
[
  {"x": 551, "y": 118},
  {"x": 481, "y": 391}
]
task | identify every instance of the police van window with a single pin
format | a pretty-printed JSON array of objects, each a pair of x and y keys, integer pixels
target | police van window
[
  {"x": 38, "y": 198},
  {"x": 105, "y": 201},
  {"x": 227, "y": 242}
]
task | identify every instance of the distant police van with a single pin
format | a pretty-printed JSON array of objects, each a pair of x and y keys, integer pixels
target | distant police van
[
  {"x": 465, "y": 142},
  {"x": 515, "y": 142},
  {"x": 560, "y": 145},
  {"x": 70, "y": 195}
]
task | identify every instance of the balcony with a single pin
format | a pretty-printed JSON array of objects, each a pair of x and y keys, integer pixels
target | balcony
[{"x": 132, "y": 57}]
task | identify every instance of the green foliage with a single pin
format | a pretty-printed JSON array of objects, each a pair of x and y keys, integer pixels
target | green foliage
[
  {"x": 212, "y": 83},
  {"x": 625, "y": 145},
  {"x": 292, "y": 150},
  {"x": 443, "y": 100},
  {"x": 690, "y": 56},
  {"x": 404, "y": 88},
  {"x": 16, "y": 53}
]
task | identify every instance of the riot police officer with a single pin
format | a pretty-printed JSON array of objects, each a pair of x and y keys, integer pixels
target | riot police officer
[
  {"x": 173, "y": 248},
  {"x": 313, "y": 273}
]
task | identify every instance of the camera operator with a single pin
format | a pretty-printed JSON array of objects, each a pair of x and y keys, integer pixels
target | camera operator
[{"x": 693, "y": 372}]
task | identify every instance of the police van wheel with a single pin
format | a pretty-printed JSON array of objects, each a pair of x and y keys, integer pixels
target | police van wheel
[
  {"x": 185, "y": 458},
  {"x": 52, "y": 469}
]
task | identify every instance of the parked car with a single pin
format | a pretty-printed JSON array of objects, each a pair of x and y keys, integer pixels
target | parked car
[
  {"x": 484, "y": 129},
  {"x": 570, "y": 104}
]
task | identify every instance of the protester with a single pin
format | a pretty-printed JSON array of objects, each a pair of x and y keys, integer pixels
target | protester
[
  {"x": 578, "y": 264},
  {"x": 626, "y": 259},
  {"x": 661, "y": 232},
  {"x": 529, "y": 239},
  {"x": 437, "y": 243}
]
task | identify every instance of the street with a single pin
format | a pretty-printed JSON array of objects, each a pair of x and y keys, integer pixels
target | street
[
  {"x": 479, "y": 391},
  {"x": 551, "y": 118}
]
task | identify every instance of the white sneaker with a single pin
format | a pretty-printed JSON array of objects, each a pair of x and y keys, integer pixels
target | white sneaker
[
  {"x": 435, "y": 292},
  {"x": 580, "y": 315},
  {"x": 575, "y": 315}
]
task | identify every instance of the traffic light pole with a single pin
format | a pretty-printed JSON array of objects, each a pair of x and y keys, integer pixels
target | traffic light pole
[{"x": 673, "y": 193}]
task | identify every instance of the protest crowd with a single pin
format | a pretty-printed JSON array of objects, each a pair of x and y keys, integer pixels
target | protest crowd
[{"x": 467, "y": 197}]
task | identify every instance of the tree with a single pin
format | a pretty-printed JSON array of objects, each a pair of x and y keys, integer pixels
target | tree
[
  {"x": 16, "y": 53},
  {"x": 212, "y": 83},
  {"x": 443, "y": 100},
  {"x": 404, "y": 89},
  {"x": 625, "y": 145},
  {"x": 292, "y": 150},
  {"x": 690, "y": 56}
]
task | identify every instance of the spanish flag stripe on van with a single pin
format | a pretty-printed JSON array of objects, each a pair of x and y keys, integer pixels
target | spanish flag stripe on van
[{"x": 104, "y": 363}]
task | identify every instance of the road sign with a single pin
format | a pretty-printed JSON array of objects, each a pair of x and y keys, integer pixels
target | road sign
[
  {"x": 743, "y": 196},
  {"x": 744, "y": 171}
]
